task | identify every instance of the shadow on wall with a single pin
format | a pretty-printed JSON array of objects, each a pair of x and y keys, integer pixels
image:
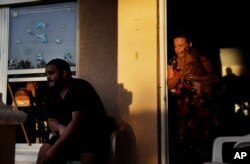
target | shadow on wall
[
  {"x": 98, "y": 33},
  {"x": 125, "y": 149},
  {"x": 124, "y": 100}
]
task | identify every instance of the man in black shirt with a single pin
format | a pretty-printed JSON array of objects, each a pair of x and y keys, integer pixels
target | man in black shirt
[{"x": 78, "y": 124}]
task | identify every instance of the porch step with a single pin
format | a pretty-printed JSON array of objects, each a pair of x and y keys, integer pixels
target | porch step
[{"x": 25, "y": 154}]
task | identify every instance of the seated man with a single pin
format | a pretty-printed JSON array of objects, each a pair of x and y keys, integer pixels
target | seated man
[{"x": 78, "y": 124}]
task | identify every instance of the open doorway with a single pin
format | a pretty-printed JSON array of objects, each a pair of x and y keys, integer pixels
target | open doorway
[{"x": 220, "y": 35}]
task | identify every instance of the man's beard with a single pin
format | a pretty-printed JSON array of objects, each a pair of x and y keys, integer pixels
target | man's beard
[{"x": 58, "y": 84}]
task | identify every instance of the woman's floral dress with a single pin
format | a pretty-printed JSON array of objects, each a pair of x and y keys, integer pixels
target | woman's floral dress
[{"x": 196, "y": 120}]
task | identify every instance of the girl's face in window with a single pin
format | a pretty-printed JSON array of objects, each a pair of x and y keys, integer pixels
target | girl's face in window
[{"x": 180, "y": 43}]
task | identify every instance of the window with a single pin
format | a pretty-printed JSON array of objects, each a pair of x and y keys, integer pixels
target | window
[
  {"x": 38, "y": 34},
  {"x": 30, "y": 37}
]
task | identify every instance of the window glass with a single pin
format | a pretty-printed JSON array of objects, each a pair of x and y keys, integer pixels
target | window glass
[{"x": 41, "y": 33}]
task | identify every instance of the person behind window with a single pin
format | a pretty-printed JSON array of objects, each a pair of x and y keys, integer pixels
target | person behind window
[
  {"x": 197, "y": 121},
  {"x": 232, "y": 95},
  {"x": 78, "y": 124}
]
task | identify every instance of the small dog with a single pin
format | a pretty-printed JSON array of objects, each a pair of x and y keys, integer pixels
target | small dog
[{"x": 196, "y": 68}]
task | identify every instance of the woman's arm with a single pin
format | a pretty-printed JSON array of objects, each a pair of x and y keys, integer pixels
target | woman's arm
[{"x": 173, "y": 78}]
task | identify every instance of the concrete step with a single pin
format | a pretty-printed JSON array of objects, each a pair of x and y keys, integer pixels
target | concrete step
[{"x": 26, "y": 154}]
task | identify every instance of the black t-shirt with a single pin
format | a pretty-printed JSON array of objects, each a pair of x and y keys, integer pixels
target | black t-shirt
[
  {"x": 93, "y": 134},
  {"x": 81, "y": 96}
]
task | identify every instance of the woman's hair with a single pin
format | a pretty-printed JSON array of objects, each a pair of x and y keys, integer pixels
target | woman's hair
[
  {"x": 60, "y": 65},
  {"x": 180, "y": 33}
]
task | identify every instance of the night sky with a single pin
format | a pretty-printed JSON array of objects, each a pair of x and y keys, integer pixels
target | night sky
[{"x": 220, "y": 23}]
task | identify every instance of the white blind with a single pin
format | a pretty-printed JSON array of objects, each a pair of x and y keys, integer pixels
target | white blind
[
  {"x": 8, "y": 2},
  {"x": 4, "y": 39}
]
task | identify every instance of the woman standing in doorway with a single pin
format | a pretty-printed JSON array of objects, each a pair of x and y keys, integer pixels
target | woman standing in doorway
[{"x": 196, "y": 118}]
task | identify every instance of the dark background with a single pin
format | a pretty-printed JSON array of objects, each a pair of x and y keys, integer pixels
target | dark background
[{"x": 219, "y": 23}]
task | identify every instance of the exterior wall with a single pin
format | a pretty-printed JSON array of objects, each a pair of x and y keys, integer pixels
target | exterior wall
[
  {"x": 117, "y": 49},
  {"x": 137, "y": 70}
]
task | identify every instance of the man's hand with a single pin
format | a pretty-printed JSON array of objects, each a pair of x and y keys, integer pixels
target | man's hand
[
  {"x": 55, "y": 126},
  {"x": 50, "y": 156}
]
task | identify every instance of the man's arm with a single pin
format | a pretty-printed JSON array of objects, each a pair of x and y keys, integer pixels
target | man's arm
[
  {"x": 55, "y": 126},
  {"x": 67, "y": 132},
  {"x": 71, "y": 129}
]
